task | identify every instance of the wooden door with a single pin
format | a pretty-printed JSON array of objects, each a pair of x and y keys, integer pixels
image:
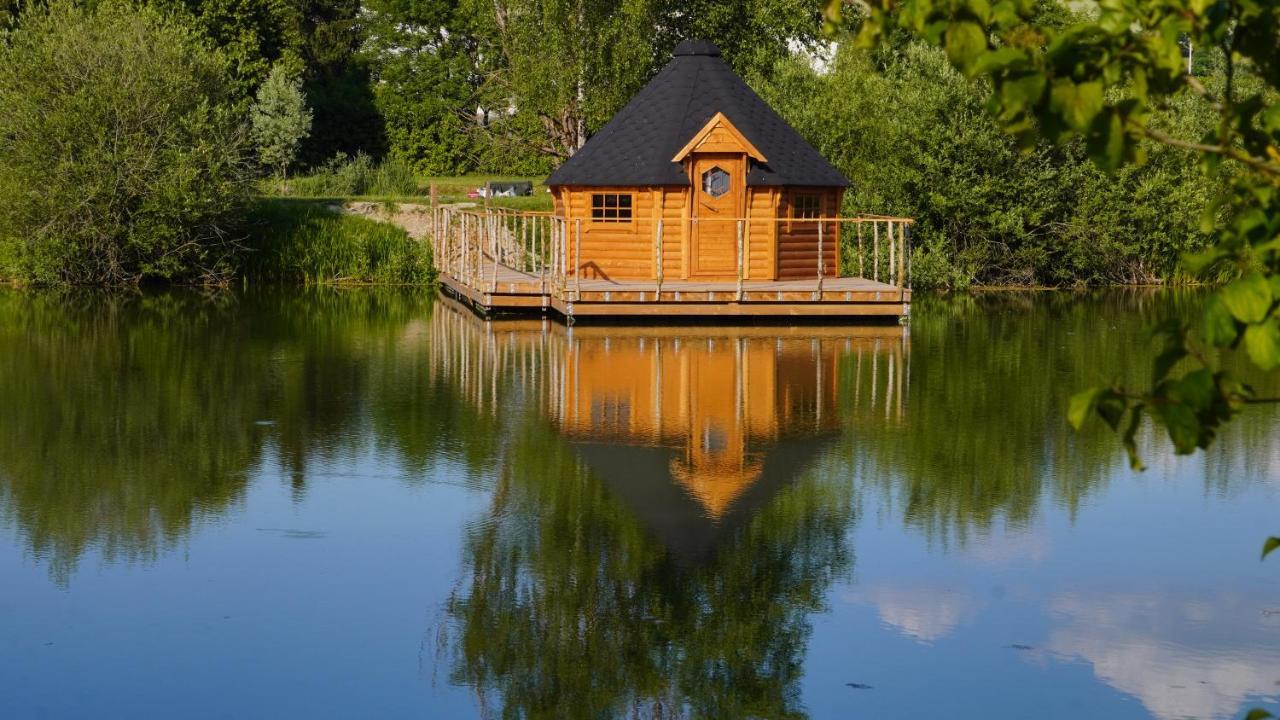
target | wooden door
[{"x": 718, "y": 193}]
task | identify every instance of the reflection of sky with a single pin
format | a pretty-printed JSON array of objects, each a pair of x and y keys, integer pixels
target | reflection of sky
[
  {"x": 325, "y": 608},
  {"x": 1152, "y": 604},
  {"x": 1180, "y": 657}
]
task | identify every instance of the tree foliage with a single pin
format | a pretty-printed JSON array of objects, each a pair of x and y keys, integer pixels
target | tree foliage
[
  {"x": 121, "y": 156},
  {"x": 280, "y": 120},
  {"x": 1103, "y": 79},
  {"x": 913, "y": 135}
]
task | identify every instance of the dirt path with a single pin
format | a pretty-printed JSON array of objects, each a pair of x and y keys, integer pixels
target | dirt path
[{"x": 413, "y": 217}]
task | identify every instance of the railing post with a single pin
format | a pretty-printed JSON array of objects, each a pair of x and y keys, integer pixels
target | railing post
[
  {"x": 903, "y": 228},
  {"x": 822, "y": 256},
  {"x": 907, "y": 251},
  {"x": 498, "y": 224},
  {"x": 741, "y": 254},
  {"x": 861, "y": 271},
  {"x": 658, "y": 240},
  {"x": 875, "y": 250},
  {"x": 577, "y": 261},
  {"x": 893, "y": 275}
]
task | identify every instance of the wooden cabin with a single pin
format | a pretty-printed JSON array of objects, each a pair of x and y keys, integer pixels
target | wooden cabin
[{"x": 698, "y": 160}]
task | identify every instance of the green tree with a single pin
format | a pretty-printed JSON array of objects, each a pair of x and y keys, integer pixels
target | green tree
[
  {"x": 280, "y": 120},
  {"x": 254, "y": 36},
  {"x": 557, "y": 70},
  {"x": 421, "y": 55},
  {"x": 914, "y": 136},
  {"x": 121, "y": 155},
  {"x": 1101, "y": 79},
  {"x": 570, "y": 63},
  {"x": 337, "y": 80}
]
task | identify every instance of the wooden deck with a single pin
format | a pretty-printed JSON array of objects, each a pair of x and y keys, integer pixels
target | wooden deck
[{"x": 477, "y": 275}]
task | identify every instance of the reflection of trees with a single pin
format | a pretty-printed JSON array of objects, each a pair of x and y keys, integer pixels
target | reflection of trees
[
  {"x": 990, "y": 375},
  {"x": 118, "y": 429},
  {"x": 571, "y": 608},
  {"x": 125, "y": 418}
]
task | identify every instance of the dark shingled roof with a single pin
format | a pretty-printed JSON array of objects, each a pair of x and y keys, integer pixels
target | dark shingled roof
[{"x": 636, "y": 146}]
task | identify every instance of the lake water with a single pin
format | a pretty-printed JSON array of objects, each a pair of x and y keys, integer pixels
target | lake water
[{"x": 337, "y": 504}]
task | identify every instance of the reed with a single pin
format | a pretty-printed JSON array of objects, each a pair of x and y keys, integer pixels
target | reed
[{"x": 313, "y": 243}]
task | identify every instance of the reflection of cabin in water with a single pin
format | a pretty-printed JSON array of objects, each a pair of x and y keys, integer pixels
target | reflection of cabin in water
[
  {"x": 697, "y": 198},
  {"x": 718, "y": 399},
  {"x": 697, "y": 150},
  {"x": 695, "y": 429}
]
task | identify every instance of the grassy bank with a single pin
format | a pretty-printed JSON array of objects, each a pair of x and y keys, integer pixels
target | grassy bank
[
  {"x": 309, "y": 242},
  {"x": 359, "y": 178}
]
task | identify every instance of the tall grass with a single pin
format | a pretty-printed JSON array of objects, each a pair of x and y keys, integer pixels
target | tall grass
[
  {"x": 311, "y": 243},
  {"x": 345, "y": 176}
]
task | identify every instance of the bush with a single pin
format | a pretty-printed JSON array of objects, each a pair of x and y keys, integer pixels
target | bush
[
  {"x": 915, "y": 138},
  {"x": 121, "y": 155},
  {"x": 343, "y": 177},
  {"x": 311, "y": 243}
]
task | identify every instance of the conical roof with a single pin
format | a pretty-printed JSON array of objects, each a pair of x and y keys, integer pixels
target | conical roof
[{"x": 637, "y": 145}]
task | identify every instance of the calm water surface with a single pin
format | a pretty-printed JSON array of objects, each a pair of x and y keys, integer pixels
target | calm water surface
[{"x": 369, "y": 504}]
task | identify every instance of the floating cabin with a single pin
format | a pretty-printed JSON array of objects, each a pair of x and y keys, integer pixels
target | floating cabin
[
  {"x": 698, "y": 150},
  {"x": 695, "y": 199}
]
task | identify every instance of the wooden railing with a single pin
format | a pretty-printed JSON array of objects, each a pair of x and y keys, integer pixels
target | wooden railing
[{"x": 471, "y": 245}]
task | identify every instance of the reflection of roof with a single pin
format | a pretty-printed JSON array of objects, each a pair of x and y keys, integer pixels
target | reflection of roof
[
  {"x": 641, "y": 477},
  {"x": 717, "y": 481},
  {"x": 637, "y": 145}
]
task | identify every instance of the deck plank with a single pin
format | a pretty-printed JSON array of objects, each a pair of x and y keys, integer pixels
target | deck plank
[{"x": 506, "y": 288}]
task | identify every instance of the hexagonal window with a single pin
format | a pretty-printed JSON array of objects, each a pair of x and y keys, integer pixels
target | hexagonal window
[{"x": 715, "y": 182}]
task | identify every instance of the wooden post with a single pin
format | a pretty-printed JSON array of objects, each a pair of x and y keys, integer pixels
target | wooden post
[
  {"x": 539, "y": 263},
  {"x": 659, "y": 241},
  {"x": 861, "y": 271},
  {"x": 875, "y": 250},
  {"x": 577, "y": 261},
  {"x": 903, "y": 258},
  {"x": 839, "y": 249},
  {"x": 821, "y": 259},
  {"x": 893, "y": 278},
  {"x": 498, "y": 226},
  {"x": 741, "y": 255}
]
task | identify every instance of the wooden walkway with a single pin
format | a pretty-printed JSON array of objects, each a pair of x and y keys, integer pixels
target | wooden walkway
[{"x": 481, "y": 265}]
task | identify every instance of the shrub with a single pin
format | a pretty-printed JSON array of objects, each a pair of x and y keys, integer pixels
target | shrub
[
  {"x": 308, "y": 242},
  {"x": 914, "y": 137},
  {"x": 355, "y": 176},
  {"x": 121, "y": 155}
]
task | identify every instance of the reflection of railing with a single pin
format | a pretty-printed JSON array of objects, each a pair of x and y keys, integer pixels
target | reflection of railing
[
  {"x": 766, "y": 381},
  {"x": 479, "y": 247}
]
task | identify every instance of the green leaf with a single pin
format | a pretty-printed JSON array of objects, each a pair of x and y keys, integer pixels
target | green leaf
[
  {"x": 1262, "y": 341},
  {"x": 1130, "y": 446},
  {"x": 1197, "y": 389},
  {"x": 1083, "y": 403},
  {"x": 1271, "y": 544},
  {"x": 1106, "y": 141},
  {"x": 1219, "y": 325},
  {"x": 964, "y": 42},
  {"x": 1165, "y": 361},
  {"x": 1259, "y": 713},
  {"x": 1077, "y": 104},
  {"x": 1182, "y": 424},
  {"x": 1111, "y": 408},
  {"x": 1248, "y": 298},
  {"x": 1018, "y": 94},
  {"x": 998, "y": 60}
]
